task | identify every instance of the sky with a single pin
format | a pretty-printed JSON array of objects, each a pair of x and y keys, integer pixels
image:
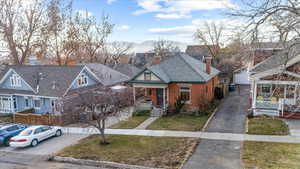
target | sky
[{"x": 142, "y": 20}]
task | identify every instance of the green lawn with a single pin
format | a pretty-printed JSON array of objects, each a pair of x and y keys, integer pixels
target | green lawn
[
  {"x": 179, "y": 122},
  {"x": 157, "y": 152},
  {"x": 264, "y": 155},
  {"x": 267, "y": 126},
  {"x": 131, "y": 123}
]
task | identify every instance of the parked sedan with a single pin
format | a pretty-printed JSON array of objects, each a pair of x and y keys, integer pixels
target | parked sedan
[
  {"x": 33, "y": 135},
  {"x": 9, "y": 131}
]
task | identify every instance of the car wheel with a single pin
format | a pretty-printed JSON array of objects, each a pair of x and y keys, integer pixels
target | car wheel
[
  {"x": 58, "y": 133},
  {"x": 34, "y": 143},
  {"x": 6, "y": 142}
]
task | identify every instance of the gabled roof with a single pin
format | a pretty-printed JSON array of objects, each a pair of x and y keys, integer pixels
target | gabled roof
[
  {"x": 182, "y": 68},
  {"x": 107, "y": 75},
  {"x": 127, "y": 69},
  {"x": 61, "y": 76}
]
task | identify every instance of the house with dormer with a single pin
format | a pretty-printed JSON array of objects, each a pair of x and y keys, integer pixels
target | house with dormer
[
  {"x": 179, "y": 76},
  {"x": 42, "y": 87}
]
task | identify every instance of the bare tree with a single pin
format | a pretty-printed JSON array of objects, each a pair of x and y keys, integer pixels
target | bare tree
[
  {"x": 165, "y": 48},
  {"x": 210, "y": 36},
  {"x": 112, "y": 52},
  {"x": 20, "y": 25},
  {"x": 61, "y": 35},
  {"x": 101, "y": 103},
  {"x": 94, "y": 35}
]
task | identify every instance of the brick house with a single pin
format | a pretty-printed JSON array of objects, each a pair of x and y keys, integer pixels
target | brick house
[{"x": 180, "y": 75}]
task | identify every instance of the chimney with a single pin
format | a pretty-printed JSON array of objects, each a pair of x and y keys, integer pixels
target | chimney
[
  {"x": 208, "y": 64},
  {"x": 156, "y": 60}
]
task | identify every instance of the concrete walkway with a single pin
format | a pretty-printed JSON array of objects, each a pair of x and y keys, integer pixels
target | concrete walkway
[
  {"x": 294, "y": 126},
  {"x": 203, "y": 135},
  {"x": 146, "y": 123}
]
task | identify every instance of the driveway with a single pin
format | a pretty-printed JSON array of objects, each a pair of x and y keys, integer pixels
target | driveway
[
  {"x": 48, "y": 146},
  {"x": 230, "y": 118}
]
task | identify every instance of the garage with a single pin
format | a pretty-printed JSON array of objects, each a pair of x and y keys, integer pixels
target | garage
[{"x": 241, "y": 76}]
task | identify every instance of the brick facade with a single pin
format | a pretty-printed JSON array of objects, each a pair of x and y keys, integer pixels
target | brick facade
[{"x": 200, "y": 93}]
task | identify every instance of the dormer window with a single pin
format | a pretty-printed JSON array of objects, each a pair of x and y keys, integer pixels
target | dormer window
[
  {"x": 15, "y": 80},
  {"x": 82, "y": 80},
  {"x": 147, "y": 75}
]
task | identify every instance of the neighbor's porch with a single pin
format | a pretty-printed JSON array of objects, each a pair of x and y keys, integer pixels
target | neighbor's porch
[
  {"x": 153, "y": 97},
  {"x": 275, "y": 97}
]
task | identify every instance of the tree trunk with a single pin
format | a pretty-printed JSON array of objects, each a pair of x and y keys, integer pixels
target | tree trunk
[{"x": 102, "y": 134}]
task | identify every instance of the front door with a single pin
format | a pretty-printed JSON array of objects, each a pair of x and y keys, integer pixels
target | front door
[{"x": 160, "y": 97}]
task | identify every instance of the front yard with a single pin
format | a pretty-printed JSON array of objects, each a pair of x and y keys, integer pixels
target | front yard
[
  {"x": 6, "y": 119},
  {"x": 267, "y": 126},
  {"x": 134, "y": 121},
  {"x": 263, "y": 155},
  {"x": 158, "y": 152},
  {"x": 180, "y": 122}
]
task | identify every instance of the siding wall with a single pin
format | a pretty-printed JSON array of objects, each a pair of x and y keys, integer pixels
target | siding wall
[
  {"x": 91, "y": 80},
  {"x": 6, "y": 84}
]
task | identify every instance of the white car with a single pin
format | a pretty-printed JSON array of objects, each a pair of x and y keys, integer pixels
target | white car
[{"x": 33, "y": 135}]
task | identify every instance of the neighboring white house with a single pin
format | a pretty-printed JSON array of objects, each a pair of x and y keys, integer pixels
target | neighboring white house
[{"x": 242, "y": 76}]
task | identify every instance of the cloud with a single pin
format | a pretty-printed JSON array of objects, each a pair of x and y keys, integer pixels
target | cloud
[
  {"x": 174, "y": 30},
  {"x": 181, "y": 6},
  {"x": 172, "y": 16},
  {"x": 84, "y": 13},
  {"x": 123, "y": 27},
  {"x": 111, "y": 1}
]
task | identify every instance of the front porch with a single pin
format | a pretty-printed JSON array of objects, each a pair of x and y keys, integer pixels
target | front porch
[
  {"x": 275, "y": 98},
  {"x": 155, "y": 98}
]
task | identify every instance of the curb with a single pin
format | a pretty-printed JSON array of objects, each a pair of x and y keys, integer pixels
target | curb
[
  {"x": 93, "y": 163},
  {"x": 209, "y": 120}
]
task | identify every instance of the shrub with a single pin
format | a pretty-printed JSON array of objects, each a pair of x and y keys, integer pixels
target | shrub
[
  {"x": 178, "y": 105},
  {"x": 250, "y": 115},
  {"x": 219, "y": 93},
  {"x": 142, "y": 113}
]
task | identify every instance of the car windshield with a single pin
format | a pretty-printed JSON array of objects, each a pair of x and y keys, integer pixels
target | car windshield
[{"x": 25, "y": 133}]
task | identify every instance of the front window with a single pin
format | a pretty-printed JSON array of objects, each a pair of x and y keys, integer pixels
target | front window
[
  {"x": 37, "y": 103},
  {"x": 82, "y": 80},
  {"x": 290, "y": 91},
  {"x": 266, "y": 89},
  {"x": 185, "y": 94},
  {"x": 15, "y": 80},
  {"x": 27, "y": 102},
  {"x": 147, "y": 76}
]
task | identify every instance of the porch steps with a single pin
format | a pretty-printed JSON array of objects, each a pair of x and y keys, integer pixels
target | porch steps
[{"x": 156, "y": 112}]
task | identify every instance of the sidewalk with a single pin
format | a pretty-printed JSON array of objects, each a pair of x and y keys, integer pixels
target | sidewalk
[
  {"x": 203, "y": 135},
  {"x": 146, "y": 123}
]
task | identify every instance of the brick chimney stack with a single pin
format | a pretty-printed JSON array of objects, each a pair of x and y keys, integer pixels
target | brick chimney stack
[
  {"x": 156, "y": 60},
  {"x": 208, "y": 61}
]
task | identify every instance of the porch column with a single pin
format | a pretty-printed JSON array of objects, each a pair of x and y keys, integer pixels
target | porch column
[
  {"x": 134, "y": 96},
  {"x": 254, "y": 95},
  {"x": 164, "y": 96}
]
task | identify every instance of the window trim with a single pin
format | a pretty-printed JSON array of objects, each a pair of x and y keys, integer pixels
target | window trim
[
  {"x": 29, "y": 102},
  {"x": 186, "y": 90},
  {"x": 147, "y": 74},
  {"x": 80, "y": 79},
  {"x": 33, "y": 103},
  {"x": 15, "y": 80}
]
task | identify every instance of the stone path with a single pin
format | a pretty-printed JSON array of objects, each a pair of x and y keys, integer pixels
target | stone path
[{"x": 146, "y": 123}]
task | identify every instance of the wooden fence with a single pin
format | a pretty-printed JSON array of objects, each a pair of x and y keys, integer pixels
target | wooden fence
[{"x": 36, "y": 119}]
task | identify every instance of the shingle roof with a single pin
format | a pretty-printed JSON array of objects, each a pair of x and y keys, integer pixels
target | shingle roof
[
  {"x": 182, "y": 68},
  {"x": 107, "y": 75},
  {"x": 60, "y": 76},
  {"x": 127, "y": 69},
  {"x": 270, "y": 63}
]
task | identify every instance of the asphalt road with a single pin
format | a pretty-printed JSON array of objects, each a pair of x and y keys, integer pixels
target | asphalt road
[{"x": 230, "y": 118}]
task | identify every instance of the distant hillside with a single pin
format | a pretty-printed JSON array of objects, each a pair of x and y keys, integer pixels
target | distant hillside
[{"x": 148, "y": 45}]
